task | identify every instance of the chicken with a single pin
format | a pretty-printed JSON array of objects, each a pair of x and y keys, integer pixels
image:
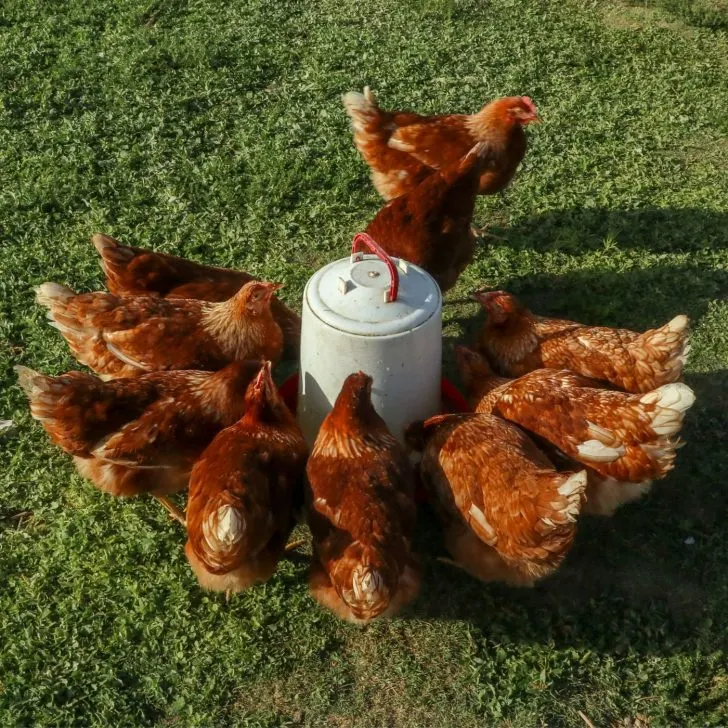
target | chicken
[
  {"x": 508, "y": 515},
  {"x": 140, "y": 435},
  {"x": 239, "y": 510},
  {"x": 361, "y": 511},
  {"x": 516, "y": 341},
  {"x": 430, "y": 225},
  {"x": 403, "y": 148},
  {"x": 137, "y": 272},
  {"x": 627, "y": 440},
  {"x": 127, "y": 336}
]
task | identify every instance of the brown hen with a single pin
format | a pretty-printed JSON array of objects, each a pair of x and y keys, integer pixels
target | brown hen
[
  {"x": 403, "y": 148},
  {"x": 239, "y": 510},
  {"x": 128, "y": 336},
  {"x": 627, "y": 440},
  {"x": 140, "y": 435},
  {"x": 134, "y": 271},
  {"x": 361, "y": 511},
  {"x": 430, "y": 225},
  {"x": 517, "y": 341},
  {"x": 507, "y": 513}
]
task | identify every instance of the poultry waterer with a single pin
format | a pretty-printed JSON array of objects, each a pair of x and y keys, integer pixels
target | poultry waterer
[{"x": 375, "y": 314}]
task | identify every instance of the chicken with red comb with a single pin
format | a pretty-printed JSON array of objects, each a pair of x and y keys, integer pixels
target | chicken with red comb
[{"x": 403, "y": 148}]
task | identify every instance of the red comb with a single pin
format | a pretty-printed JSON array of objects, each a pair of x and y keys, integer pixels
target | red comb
[
  {"x": 528, "y": 103},
  {"x": 260, "y": 377}
]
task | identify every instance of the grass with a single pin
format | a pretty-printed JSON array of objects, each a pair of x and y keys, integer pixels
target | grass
[{"x": 215, "y": 130}]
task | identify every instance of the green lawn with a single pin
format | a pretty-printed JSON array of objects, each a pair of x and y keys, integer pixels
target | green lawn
[{"x": 215, "y": 130}]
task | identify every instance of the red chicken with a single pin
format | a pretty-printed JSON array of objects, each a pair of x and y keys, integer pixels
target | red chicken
[
  {"x": 624, "y": 438},
  {"x": 140, "y": 435},
  {"x": 138, "y": 272},
  {"x": 430, "y": 225},
  {"x": 403, "y": 148},
  {"x": 361, "y": 511},
  {"x": 508, "y": 515},
  {"x": 239, "y": 510},
  {"x": 517, "y": 341},
  {"x": 127, "y": 336}
]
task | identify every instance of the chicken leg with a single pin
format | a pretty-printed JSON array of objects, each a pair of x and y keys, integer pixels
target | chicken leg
[{"x": 172, "y": 509}]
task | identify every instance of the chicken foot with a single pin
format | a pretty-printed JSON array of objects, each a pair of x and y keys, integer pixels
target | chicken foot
[{"x": 172, "y": 509}]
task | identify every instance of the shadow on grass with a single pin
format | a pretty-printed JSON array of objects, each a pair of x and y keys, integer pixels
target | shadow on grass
[
  {"x": 650, "y": 228},
  {"x": 654, "y": 578}
]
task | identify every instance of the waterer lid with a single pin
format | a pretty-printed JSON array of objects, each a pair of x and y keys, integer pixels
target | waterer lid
[{"x": 373, "y": 295}]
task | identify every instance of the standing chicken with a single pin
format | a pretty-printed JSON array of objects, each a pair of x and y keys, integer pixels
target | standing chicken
[
  {"x": 403, "y": 148},
  {"x": 134, "y": 271},
  {"x": 239, "y": 510},
  {"x": 517, "y": 341},
  {"x": 430, "y": 225},
  {"x": 361, "y": 511},
  {"x": 140, "y": 435},
  {"x": 624, "y": 438},
  {"x": 127, "y": 336},
  {"x": 508, "y": 515}
]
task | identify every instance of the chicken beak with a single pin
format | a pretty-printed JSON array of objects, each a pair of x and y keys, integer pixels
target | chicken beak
[
  {"x": 481, "y": 297},
  {"x": 263, "y": 376},
  {"x": 273, "y": 287}
]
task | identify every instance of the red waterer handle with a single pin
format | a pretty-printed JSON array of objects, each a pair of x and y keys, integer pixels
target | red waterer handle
[{"x": 374, "y": 247}]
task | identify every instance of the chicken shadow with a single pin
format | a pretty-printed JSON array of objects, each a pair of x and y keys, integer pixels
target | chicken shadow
[
  {"x": 649, "y": 228},
  {"x": 653, "y": 578}
]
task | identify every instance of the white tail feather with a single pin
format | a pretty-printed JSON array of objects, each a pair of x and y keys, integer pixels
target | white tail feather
[
  {"x": 50, "y": 293},
  {"x": 598, "y": 452},
  {"x": 359, "y": 107},
  {"x": 27, "y": 379},
  {"x": 671, "y": 402},
  {"x": 678, "y": 324}
]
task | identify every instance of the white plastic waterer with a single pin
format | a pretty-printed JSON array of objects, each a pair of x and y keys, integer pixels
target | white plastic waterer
[{"x": 375, "y": 314}]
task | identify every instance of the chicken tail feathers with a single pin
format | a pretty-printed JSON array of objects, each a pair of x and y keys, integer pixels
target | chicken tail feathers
[
  {"x": 114, "y": 256},
  {"x": 27, "y": 379},
  {"x": 661, "y": 354},
  {"x": 668, "y": 405},
  {"x": 645, "y": 447},
  {"x": 565, "y": 504},
  {"x": 363, "y": 110},
  {"x": 51, "y": 295},
  {"x": 560, "y": 500}
]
